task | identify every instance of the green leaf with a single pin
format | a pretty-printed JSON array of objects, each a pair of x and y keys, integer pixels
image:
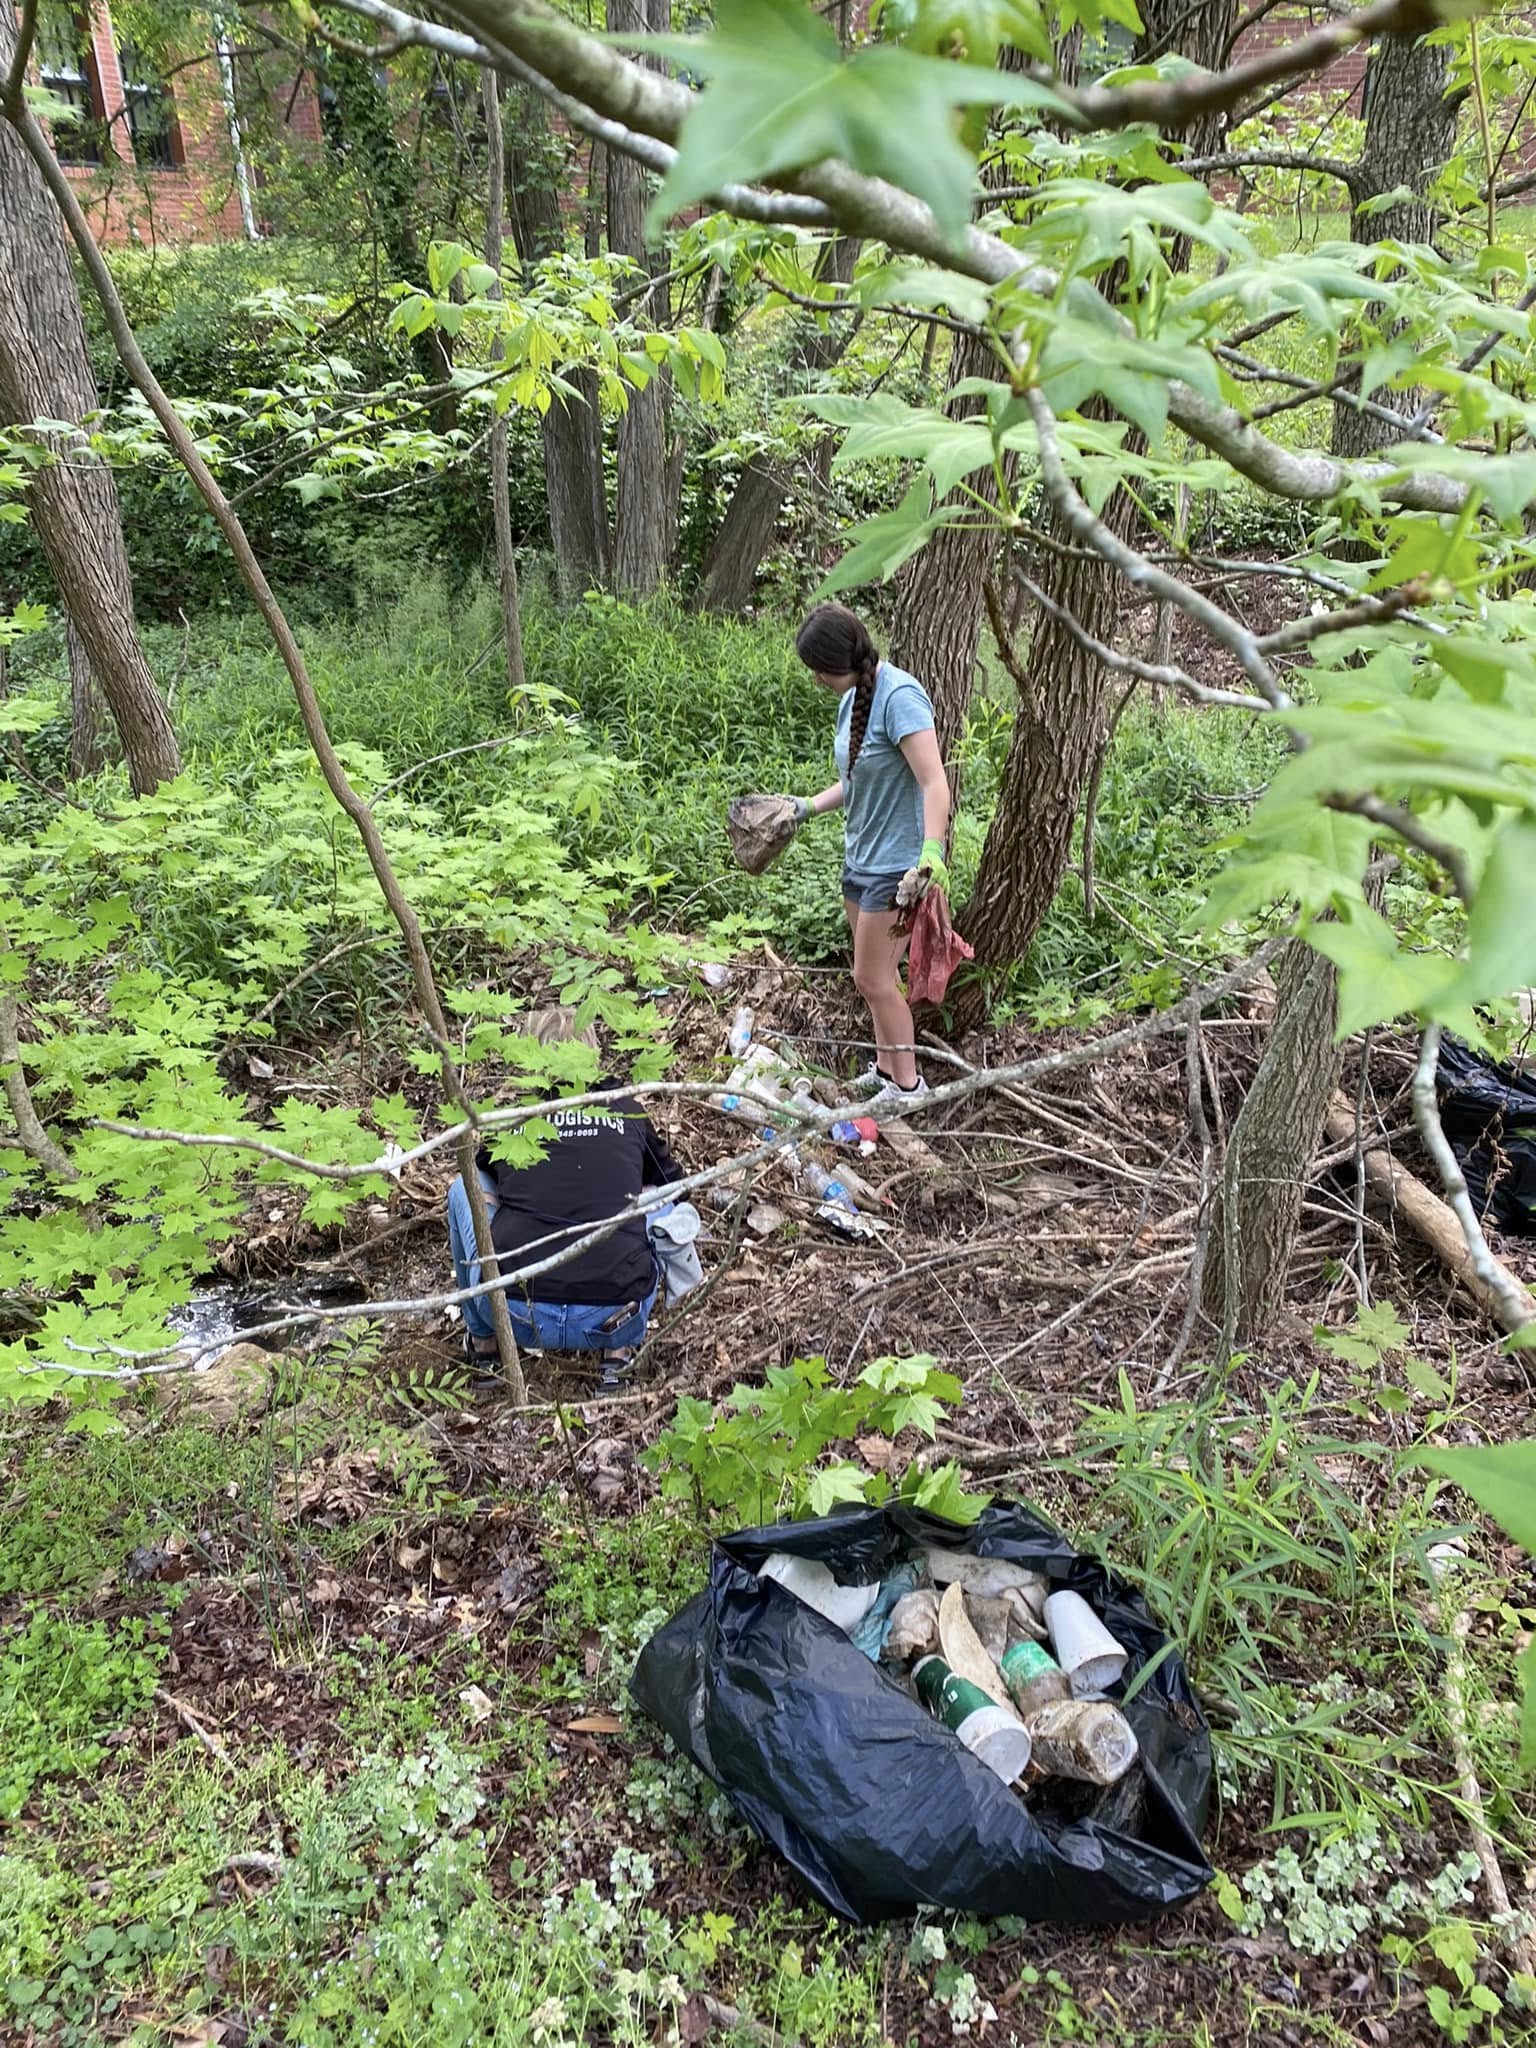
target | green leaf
[
  {"x": 1378, "y": 980},
  {"x": 1501, "y": 1478},
  {"x": 1501, "y": 931},
  {"x": 883, "y": 543},
  {"x": 780, "y": 95},
  {"x": 832, "y": 1484}
]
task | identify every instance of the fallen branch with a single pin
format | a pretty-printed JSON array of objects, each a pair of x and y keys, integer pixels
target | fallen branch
[
  {"x": 192, "y": 1722},
  {"x": 1434, "y": 1222}
]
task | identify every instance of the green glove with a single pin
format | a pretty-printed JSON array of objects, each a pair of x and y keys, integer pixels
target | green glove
[
  {"x": 931, "y": 860},
  {"x": 802, "y": 809}
]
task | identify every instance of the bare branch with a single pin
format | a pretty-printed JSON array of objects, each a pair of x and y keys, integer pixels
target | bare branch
[
  {"x": 1309, "y": 389},
  {"x": 1370, "y": 611},
  {"x": 26, "y": 35},
  {"x": 1130, "y": 665},
  {"x": 1512, "y": 1304},
  {"x": 1271, "y": 160},
  {"x": 1088, "y": 528},
  {"x": 1394, "y": 818}
]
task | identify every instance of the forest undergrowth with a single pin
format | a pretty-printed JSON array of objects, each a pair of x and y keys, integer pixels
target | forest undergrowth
[{"x": 313, "y": 1687}]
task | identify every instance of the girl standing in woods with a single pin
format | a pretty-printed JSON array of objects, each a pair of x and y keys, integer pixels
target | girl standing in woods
[{"x": 893, "y": 789}]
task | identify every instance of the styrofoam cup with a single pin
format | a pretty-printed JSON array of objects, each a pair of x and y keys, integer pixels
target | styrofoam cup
[
  {"x": 809, "y": 1580},
  {"x": 1084, "y": 1647}
]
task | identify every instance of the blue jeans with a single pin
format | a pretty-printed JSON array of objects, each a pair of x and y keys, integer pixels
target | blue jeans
[{"x": 537, "y": 1325}]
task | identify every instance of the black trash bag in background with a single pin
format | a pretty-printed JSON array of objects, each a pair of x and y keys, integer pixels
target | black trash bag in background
[
  {"x": 1489, "y": 1114},
  {"x": 876, "y": 1804}
]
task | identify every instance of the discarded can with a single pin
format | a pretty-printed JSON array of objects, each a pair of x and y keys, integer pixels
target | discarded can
[
  {"x": 991, "y": 1733},
  {"x": 860, "y": 1130},
  {"x": 1084, "y": 1647},
  {"x": 1087, "y": 1739},
  {"x": 1033, "y": 1677},
  {"x": 741, "y": 1032}
]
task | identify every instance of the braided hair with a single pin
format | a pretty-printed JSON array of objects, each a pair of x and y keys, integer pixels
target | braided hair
[{"x": 834, "y": 642}]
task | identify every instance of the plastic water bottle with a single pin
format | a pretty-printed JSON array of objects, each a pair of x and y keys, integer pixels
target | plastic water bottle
[
  {"x": 826, "y": 1189},
  {"x": 741, "y": 1032}
]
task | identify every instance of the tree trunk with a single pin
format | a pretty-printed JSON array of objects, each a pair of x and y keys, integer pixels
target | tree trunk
[
  {"x": 744, "y": 535},
  {"x": 1257, "y": 1211},
  {"x": 746, "y": 532},
  {"x": 1063, "y": 723},
  {"x": 1059, "y": 734},
  {"x": 45, "y": 373},
  {"x": 501, "y": 511},
  {"x": 645, "y": 520},
  {"x": 936, "y": 626},
  {"x": 1410, "y": 131},
  {"x": 572, "y": 429},
  {"x": 85, "y": 755}
]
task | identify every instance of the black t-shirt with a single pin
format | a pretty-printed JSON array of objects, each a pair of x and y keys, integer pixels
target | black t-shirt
[{"x": 602, "y": 1156}]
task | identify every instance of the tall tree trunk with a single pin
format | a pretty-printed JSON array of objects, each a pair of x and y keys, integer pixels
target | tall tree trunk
[
  {"x": 1410, "y": 131},
  {"x": 501, "y": 511},
  {"x": 936, "y": 625},
  {"x": 1257, "y": 1212},
  {"x": 1063, "y": 723},
  {"x": 1060, "y": 731},
  {"x": 45, "y": 373},
  {"x": 747, "y": 529},
  {"x": 645, "y": 521},
  {"x": 572, "y": 429}
]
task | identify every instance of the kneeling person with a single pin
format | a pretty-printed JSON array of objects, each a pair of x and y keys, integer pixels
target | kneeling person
[{"x": 601, "y": 1298}]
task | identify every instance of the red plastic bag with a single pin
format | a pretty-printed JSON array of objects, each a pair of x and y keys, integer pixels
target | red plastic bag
[{"x": 936, "y": 950}]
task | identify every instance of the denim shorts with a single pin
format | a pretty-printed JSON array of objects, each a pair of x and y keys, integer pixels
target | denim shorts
[{"x": 871, "y": 892}]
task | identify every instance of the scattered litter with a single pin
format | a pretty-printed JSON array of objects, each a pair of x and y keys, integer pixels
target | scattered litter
[
  {"x": 715, "y": 975},
  {"x": 864, "y": 1774},
  {"x": 259, "y": 1069},
  {"x": 859, "y": 1130},
  {"x": 850, "y": 1222},
  {"x": 826, "y": 1186},
  {"x": 477, "y": 1705},
  {"x": 740, "y": 1035},
  {"x": 763, "y": 1219}
]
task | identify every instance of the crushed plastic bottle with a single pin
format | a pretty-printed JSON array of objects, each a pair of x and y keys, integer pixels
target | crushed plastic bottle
[
  {"x": 741, "y": 1032},
  {"x": 1087, "y": 1739},
  {"x": 826, "y": 1188}
]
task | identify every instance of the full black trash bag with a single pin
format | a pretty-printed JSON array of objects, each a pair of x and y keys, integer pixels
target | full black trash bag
[
  {"x": 876, "y": 1804},
  {"x": 1489, "y": 1114}
]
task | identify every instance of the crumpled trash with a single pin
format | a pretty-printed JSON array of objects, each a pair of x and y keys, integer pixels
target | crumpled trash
[
  {"x": 875, "y": 1804},
  {"x": 760, "y": 827},
  {"x": 934, "y": 951},
  {"x": 1488, "y": 1111}
]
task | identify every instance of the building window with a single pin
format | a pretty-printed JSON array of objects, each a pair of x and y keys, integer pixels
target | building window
[
  {"x": 149, "y": 114},
  {"x": 66, "y": 65}
]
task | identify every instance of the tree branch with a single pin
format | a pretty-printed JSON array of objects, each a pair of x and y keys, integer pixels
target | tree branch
[
  {"x": 1131, "y": 665},
  {"x": 34, "y": 1140},
  {"x": 1370, "y": 611},
  {"x": 1272, "y": 160},
  {"x": 16, "y": 79}
]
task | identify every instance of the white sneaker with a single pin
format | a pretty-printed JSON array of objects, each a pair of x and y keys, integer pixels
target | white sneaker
[
  {"x": 870, "y": 1082},
  {"x": 893, "y": 1097}
]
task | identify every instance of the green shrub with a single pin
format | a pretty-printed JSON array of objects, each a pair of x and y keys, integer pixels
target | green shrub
[{"x": 64, "y": 1687}]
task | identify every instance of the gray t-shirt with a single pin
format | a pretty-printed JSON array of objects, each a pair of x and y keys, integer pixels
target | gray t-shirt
[{"x": 884, "y": 811}]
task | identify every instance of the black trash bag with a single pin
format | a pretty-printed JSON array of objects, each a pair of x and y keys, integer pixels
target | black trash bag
[
  {"x": 876, "y": 1804},
  {"x": 1489, "y": 1114}
]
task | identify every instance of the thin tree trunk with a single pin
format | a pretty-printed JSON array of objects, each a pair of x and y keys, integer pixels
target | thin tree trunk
[
  {"x": 501, "y": 510},
  {"x": 644, "y": 526},
  {"x": 45, "y": 373},
  {"x": 1274, "y": 1140},
  {"x": 1410, "y": 131}
]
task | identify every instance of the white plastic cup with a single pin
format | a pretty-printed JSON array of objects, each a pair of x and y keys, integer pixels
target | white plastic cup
[
  {"x": 1084, "y": 1647},
  {"x": 810, "y": 1581}
]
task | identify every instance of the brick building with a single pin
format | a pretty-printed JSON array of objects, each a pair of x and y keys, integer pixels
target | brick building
[{"x": 156, "y": 157}]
